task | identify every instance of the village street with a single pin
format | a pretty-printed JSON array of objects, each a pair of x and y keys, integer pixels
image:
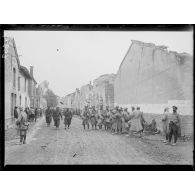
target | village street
[{"x": 46, "y": 145}]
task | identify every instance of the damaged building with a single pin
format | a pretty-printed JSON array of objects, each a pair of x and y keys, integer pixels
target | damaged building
[
  {"x": 153, "y": 78},
  {"x": 103, "y": 91},
  {"x": 100, "y": 93}
]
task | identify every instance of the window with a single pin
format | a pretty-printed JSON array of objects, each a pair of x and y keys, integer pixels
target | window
[
  {"x": 14, "y": 77},
  {"x": 18, "y": 83}
]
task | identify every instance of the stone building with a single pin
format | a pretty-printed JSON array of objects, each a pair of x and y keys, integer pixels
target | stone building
[
  {"x": 67, "y": 101},
  {"x": 17, "y": 78},
  {"x": 23, "y": 81},
  {"x": 103, "y": 91},
  {"x": 86, "y": 94},
  {"x": 76, "y": 101},
  {"x": 11, "y": 82},
  {"x": 153, "y": 78}
]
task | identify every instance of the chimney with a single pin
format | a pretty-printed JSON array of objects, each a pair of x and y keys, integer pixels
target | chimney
[{"x": 31, "y": 70}]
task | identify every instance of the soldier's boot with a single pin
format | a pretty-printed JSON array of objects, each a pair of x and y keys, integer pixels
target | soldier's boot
[
  {"x": 88, "y": 126},
  {"x": 83, "y": 126}
]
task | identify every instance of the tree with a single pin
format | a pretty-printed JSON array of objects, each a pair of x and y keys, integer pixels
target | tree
[{"x": 51, "y": 98}]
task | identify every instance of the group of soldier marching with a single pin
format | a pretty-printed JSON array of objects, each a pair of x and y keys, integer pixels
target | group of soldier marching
[
  {"x": 117, "y": 120},
  {"x": 57, "y": 114}
]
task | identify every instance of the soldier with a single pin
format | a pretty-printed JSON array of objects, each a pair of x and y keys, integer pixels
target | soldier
[
  {"x": 22, "y": 125},
  {"x": 67, "y": 117},
  {"x": 93, "y": 117},
  {"x": 48, "y": 116},
  {"x": 137, "y": 121},
  {"x": 85, "y": 117},
  {"x": 165, "y": 124},
  {"x": 107, "y": 118},
  {"x": 100, "y": 117},
  {"x": 119, "y": 120},
  {"x": 113, "y": 121},
  {"x": 131, "y": 122},
  {"x": 125, "y": 119},
  {"x": 36, "y": 114},
  {"x": 174, "y": 126},
  {"x": 57, "y": 115},
  {"x": 27, "y": 112},
  {"x": 53, "y": 111}
]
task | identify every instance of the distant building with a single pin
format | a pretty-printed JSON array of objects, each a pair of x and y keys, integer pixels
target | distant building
[
  {"x": 86, "y": 93},
  {"x": 67, "y": 101},
  {"x": 76, "y": 102},
  {"x": 103, "y": 91}
]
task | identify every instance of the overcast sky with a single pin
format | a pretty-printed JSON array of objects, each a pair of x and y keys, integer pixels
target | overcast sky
[{"x": 70, "y": 59}]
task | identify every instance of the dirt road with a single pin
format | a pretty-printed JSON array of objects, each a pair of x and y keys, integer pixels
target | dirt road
[{"x": 47, "y": 145}]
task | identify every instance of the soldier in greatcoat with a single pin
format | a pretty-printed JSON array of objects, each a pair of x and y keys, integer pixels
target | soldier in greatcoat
[
  {"x": 113, "y": 121},
  {"x": 93, "y": 117},
  {"x": 48, "y": 116},
  {"x": 137, "y": 121},
  {"x": 67, "y": 117},
  {"x": 119, "y": 121},
  {"x": 165, "y": 124},
  {"x": 106, "y": 115},
  {"x": 57, "y": 115},
  {"x": 125, "y": 119},
  {"x": 22, "y": 125},
  {"x": 85, "y": 117},
  {"x": 100, "y": 118}
]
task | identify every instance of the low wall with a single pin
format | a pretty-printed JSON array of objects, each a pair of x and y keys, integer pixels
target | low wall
[
  {"x": 155, "y": 111},
  {"x": 187, "y": 124}
]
